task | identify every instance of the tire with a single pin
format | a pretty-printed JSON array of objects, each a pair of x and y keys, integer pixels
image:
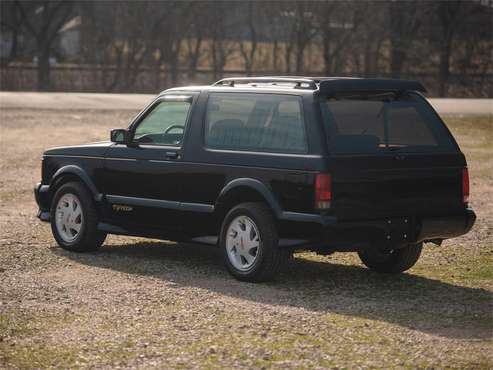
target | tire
[
  {"x": 235, "y": 246},
  {"x": 394, "y": 261},
  {"x": 76, "y": 226}
]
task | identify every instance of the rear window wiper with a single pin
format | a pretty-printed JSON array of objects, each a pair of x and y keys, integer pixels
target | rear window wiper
[{"x": 393, "y": 148}]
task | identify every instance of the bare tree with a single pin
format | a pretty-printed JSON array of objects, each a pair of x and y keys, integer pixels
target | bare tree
[
  {"x": 404, "y": 17},
  {"x": 338, "y": 23},
  {"x": 195, "y": 37},
  {"x": 10, "y": 22},
  {"x": 274, "y": 27},
  {"x": 304, "y": 32},
  {"x": 168, "y": 38},
  {"x": 450, "y": 16},
  {"x": 371, "y": 36},
  {"x": 148, "y": 44},
  {"x": 43, "y": 19},
  {"x": 221, "y": 47},
  {"x": 248, "y": 47}
]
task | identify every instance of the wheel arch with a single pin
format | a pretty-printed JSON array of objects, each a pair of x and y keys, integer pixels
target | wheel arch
[
  {"x": 245, "y": 190},
  {"x": 73, "y": 173}
]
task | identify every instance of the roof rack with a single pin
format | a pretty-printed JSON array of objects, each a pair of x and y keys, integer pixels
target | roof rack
[
  {"x": 329, "y": 86},
  {"x": 300, "y": 83}
]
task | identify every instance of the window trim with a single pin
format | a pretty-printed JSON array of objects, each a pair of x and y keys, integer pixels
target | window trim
[
  {"x": 255, "y": 150},
  {"x": 164, "y": 98}
]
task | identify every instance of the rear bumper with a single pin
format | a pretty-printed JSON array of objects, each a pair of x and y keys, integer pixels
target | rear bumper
[
  {"x": 394, "y": 231},
  {"x": 446, "y": 227},
  {"x": 42, "y": 196}
]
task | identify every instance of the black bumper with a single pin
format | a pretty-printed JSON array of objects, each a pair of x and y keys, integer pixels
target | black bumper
[
  {"x": 404, "y": 230},
  {"x": 393, "y": 231},
  {"x": 446, "y": 227},
  {"x": 43, "y": 198}
]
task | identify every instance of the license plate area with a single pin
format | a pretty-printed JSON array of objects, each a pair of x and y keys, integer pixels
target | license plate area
[{"x": 398, "y": 230}]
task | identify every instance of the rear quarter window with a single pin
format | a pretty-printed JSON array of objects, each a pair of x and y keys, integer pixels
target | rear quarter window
[
  {"x": 255, "y": 122},
  {"x": 370, "y": 125}
]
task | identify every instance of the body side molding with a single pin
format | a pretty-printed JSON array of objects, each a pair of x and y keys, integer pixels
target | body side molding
[{"x": 158, "y": 203}]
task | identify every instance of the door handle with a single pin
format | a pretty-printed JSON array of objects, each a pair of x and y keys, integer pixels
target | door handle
[{"x": 171, "y": 155}]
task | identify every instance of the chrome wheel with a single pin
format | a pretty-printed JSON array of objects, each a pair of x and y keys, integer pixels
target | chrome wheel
[
  {"x": 243, "y": 243},
  {"x": 69, "y": 217}
]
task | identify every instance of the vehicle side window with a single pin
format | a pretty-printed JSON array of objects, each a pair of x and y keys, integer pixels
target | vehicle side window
[
  {"x": 164, "y": 125},
  {"x": 255, "y": 122}
]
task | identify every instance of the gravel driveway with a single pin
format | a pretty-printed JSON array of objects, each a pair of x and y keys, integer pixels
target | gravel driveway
[{"x": 140, "y": 303}]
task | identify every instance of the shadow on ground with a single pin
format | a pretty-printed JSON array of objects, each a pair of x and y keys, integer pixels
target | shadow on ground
[{"x": 408, "y": 300}]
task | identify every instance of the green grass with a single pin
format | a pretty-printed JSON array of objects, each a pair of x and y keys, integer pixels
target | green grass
[
  {"x": 14, "y": 324},
  {"x": 480, "y": 268},
  {"x": 473, "y": 133}
]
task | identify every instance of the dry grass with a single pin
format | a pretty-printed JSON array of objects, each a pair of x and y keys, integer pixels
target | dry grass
[{"x": 138, "y": 303}]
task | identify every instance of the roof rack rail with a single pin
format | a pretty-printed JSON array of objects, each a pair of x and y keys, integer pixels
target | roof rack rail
[{"x": 300, "y": 83}]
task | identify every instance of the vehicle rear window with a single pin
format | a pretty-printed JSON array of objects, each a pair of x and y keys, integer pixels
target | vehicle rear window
[
  {"x": 370, "y": 124},
  {"x": 255, "y": 122}
]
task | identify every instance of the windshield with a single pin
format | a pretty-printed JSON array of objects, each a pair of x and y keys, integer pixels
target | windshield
[{"x": 371, "y": 124}]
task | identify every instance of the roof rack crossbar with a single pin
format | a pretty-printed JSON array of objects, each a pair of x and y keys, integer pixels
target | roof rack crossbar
[{"x": 300, "y": 83}]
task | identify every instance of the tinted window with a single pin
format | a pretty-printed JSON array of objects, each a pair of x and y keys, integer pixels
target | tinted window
[
  {"x": 164, "y": 125},
  {"x": 256, "y": 122},
  {"x": 357, "y": 125}
]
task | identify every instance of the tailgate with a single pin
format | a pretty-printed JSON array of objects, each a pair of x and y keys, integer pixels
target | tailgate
[
  {"x": 391, "y": 155},
  {"x": 392, "y": 186}
]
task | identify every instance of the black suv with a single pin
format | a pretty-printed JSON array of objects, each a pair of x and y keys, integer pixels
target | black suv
[{"x": 264, "y": 166}]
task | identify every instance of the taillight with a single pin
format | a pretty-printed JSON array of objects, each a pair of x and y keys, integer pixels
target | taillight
[
  {"x": 465, "y": 186},
  {"x": 323, "y": 191}
]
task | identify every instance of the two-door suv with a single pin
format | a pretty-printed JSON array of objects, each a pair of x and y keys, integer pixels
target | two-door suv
[{"x": 263, "y": 166}]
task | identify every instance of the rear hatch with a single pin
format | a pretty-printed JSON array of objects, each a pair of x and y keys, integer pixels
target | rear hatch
[{"x": 390, "y": 156}]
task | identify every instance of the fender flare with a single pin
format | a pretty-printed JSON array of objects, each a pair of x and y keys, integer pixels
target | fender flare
[
  {"x": 255, "y": 185},
  {"x": 81, "y": 174}
]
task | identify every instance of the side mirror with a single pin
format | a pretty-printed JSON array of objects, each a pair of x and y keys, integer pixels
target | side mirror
[{"x": 119, "y": 136}]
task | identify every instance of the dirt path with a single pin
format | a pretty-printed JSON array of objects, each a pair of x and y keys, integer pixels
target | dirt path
[{"x": 147, "y": 304}]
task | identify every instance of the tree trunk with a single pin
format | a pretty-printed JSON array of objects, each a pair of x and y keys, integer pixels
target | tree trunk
[
  {"x": 397, "y": 61},
  {"x": 174, "y": 62},
  {"x": 44, "y": 69},
  {"x": 368, "y": 60},
  {"x": 215, "y": 64},
  {"x": 13, "y": 48},
  {"x": 274, "y": 56},
  {"x": 194, "y": 57},
  {"x": 326, "y": 52},
  {"x": 300, "y": 51},
  {"x": 288, "y": 59},
  {"x": 444, "y": 68}
]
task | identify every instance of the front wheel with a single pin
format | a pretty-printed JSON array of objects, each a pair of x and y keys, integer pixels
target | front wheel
[
  {"x": 391, "y": 261},
  {"x": 249, "y": 243},
  {"x": 74, "y": 219}
]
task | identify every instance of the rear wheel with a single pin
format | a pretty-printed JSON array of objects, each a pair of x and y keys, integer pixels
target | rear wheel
[
  {"x": 391, "y": 261},
  {"x": 249, "y": 243},
  {"x": 74, "y": 219}
]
